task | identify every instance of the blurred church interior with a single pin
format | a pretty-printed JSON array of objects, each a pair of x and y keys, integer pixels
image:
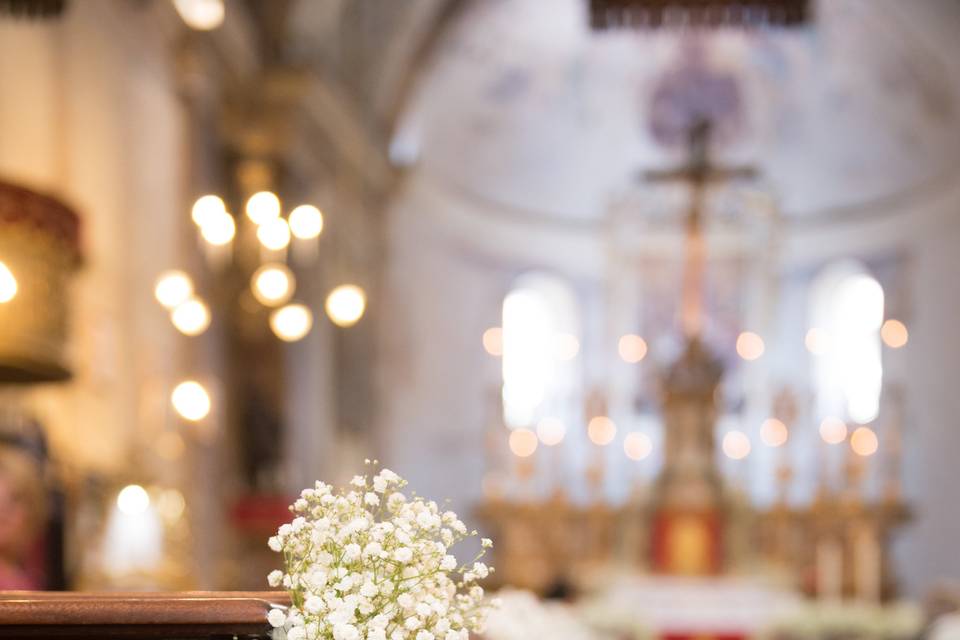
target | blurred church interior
[{"x": 659, "y": 293}]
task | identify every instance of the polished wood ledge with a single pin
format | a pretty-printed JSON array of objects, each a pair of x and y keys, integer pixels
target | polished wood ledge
[{"x": 188, "y": 615}]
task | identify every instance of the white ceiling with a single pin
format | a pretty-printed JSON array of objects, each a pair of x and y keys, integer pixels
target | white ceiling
[{"x": 527, "y": 109}]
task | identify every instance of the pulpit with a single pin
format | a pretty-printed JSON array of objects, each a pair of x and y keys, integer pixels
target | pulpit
[{"x": 193, "y": 615}]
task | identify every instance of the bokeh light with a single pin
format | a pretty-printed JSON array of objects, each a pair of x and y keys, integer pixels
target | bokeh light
[
  {"x": 749, "y": 345},
  {"x": 345, "y": 305},
  {"x": 191, "y": 318},
  {"x": 306, "y": 222},
  {"x": 864, "y": 441},
  {"x": 206, "y": 209},
  {"x": 191, "y": 401},
  {"x": 173, "y": 288},
  {"x": 773, "y": 432},
  {"x": 272, "y": 284},
  {"x": 493, "y": 341},
  {"x": 133, "y": 500},
  {"x": 551, "y": 431},
  {"x": 632, "y": 348},
  {"x": 833, "y": 430},
  {"x": 894, "y": 333},
  {"x": 736, "y": 445},
  {"x": 523, "y": 442},
  {"x": 292, "y": 322},
  {"x": 219, "y": 230},
  {"x": 601, "y": 430},
  {"x": 263, "y": 206},
  {"x": 817, "y": 341},
  {"x": 202, "y": 15},
  {"x": 637, "y": 445},
  {"x": 274, "y": 234}
]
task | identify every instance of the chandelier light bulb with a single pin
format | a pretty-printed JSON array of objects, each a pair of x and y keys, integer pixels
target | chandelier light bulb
[
  {"x": 8, "y": 284},
  {"x": 306, "y": 222},
  {"x": 263, "y": 206},
  {"x": 274, "y": 234},
  {"x": 346, "y": 304},
  {"x": 172, "y": 288},
  {"x": 133, "y": 500},
  {"x": 191, "y": 318},
  {"x": 202, "y": 15},
  {"x": 773, "y": 432},
  {"x": 864, "y": 441},
  {"x": 749, "y": 345},
  {"x": 292, "y": 322},
  {"x": 206, "y": 209},
  {"x": 191, "y": 401},
  {"x": 833, "y": 430},
  {"x": 219, "y": 229},
  {"x": 894, "y": 333},
  {"x": 272, "y": 284}
]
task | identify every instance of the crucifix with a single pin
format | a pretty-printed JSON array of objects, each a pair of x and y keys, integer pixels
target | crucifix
[{"x": 699, "y": 173}]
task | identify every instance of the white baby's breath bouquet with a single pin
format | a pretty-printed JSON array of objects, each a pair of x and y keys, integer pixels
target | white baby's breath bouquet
[{"x": 368, "y": 563}]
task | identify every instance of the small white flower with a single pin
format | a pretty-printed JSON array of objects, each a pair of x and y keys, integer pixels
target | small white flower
[
  {"x": 486, "y": 543},
  {"x": 274, "y": 543},
  {"x": 359, "y": 481},
  {"x": 449, "y": 563},
  {"x": 423, "y": 634},
  {"x": 297, "y": 633},
  {"x": 371, "y": 499},
  {"x": 276, "y": 618},
  {"x": 403, "y": 554},
  {"x": 274, "y": 578},
  {"x": 413, "y": 623}
]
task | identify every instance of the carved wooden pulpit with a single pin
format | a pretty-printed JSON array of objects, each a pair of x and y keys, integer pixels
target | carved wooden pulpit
[{"x": 191, "y": 615}]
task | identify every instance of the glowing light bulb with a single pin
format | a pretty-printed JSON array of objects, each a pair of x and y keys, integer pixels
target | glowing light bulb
[
  {"x": 263, "y": 206},
  {"x": 632, "y": 348},
  {"x": 565, "y": 346},
  {"x": 191, "y": 318},
  {"x": 601, "y": 430},
  {"x": 306, "y": 222},
  {"x": 8, "y": 284},
  {"x": 736, "y": 445},
  {"x": 219, "y": 229},
  {"x": 523, "y": 442},
  {"x": 274, "y": 234},
  {"x": 637, "y": 445},
  {"x": 864, "y": 441},
  {"x": 833, "y": 430},
  {"x": 191, "y": 401},
  {"x": 346, "y": 304},
  {"x": 551, "y": 431},
  {"x": 493, "y": 341},
  {"x": 292, "y": 322},
  {"x": 133, "y": 500},
  {"x": 749, "y": 345},
  {"x": 206, "y": 209},
  {"x": 202, "y": 15},
  {"x": 272, "y": 284},
  {"x": 894, "y": 333},
  {"x": 173, "y": 288},
  {"x": 773, "y": 432},
  {"x": 817, "y": 341}
]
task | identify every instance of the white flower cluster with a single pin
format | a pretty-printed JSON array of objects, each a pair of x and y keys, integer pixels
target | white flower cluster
[
  {"x": 367, "y": 563},
  {"x": 520, "y": 615}
]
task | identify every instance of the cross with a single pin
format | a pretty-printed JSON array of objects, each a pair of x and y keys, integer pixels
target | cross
[{"x": 700, "y": 173}]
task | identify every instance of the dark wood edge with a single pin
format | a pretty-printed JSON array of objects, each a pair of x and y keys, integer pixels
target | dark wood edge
[{"x": 229, "y": 612}]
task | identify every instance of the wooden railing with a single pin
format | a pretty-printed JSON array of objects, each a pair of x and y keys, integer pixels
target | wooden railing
[{"x": 191, "y": 615}]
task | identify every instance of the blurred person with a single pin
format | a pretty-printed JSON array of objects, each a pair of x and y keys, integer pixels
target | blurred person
[{"x": 21, "y": 518}]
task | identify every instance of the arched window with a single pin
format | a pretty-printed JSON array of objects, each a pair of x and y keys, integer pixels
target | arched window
[
  {"x": 541, "y": 340},
  {"x": 845, "y": 318}
]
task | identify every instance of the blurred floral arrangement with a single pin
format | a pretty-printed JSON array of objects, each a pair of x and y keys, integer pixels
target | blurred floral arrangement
[
  {"x": 842, "y": 621},
  {"x": 521, "y": 615},
  {"x": 610, "y": 619},
  {"x": 367, "y": 563}
]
